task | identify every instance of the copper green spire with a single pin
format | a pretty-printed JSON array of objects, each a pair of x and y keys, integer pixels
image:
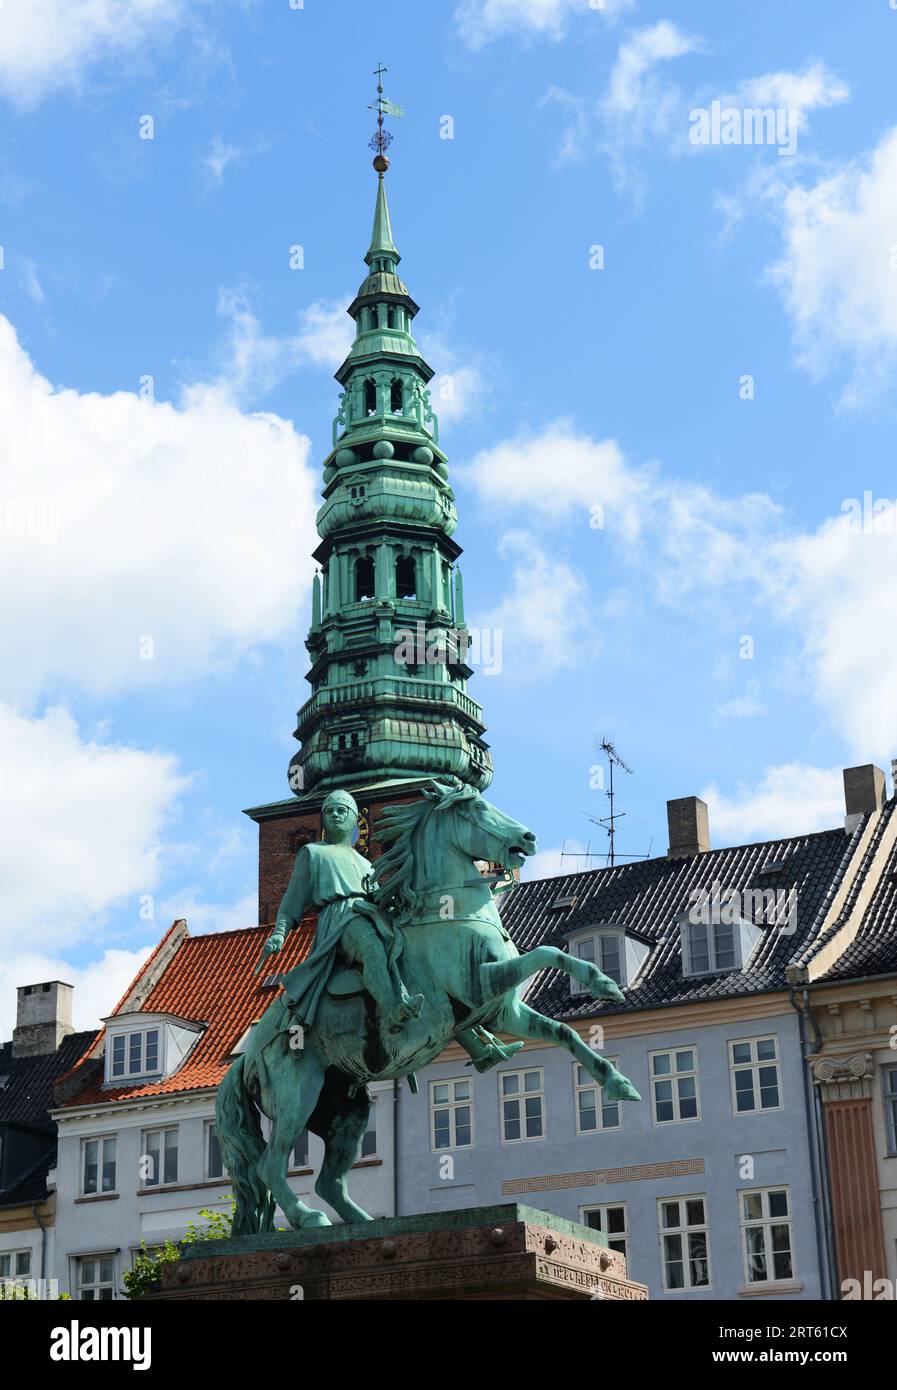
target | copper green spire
[
  {"x": 382, "y": 244},
  {"x": 387, "y": 643}
]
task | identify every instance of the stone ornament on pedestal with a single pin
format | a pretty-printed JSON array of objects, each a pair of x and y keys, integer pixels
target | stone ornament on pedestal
[{"x": 507, "y": 1252}]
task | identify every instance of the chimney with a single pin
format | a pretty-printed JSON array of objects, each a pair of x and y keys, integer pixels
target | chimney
[
  {"x": 43, "y": 1018},
  {"x": 864, "y": 791},
  {"x": 689, "y": 826}
]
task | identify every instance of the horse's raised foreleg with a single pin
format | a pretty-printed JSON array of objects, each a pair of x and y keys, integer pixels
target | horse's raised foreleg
[
  {"x": 519, "y": 1018},
  {"x": 340, "y": 1120},
  {"x": 293, "y": 1082},
  {"x": 499, "y": 976}
]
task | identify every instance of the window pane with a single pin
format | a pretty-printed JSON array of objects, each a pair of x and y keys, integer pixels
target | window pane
[
  {"x": 588, "y": 1115},
  {"x": 441, "y": 1093},
  {"x": 88, "y": 1271},
  {"x": 171, "y": 1156},
  {"x": 670, "y": 1211},
  {"x": 586, "y": 949},
  {"x": 151, "y": 1153},
  {"x": 616, "y": 1219},
  {"x": 510, "y": 1083},
  {"x": 533, "y": 1117},
  {"x": 23, "y": 1263},
  {"x": 753, "y": 1206},
  {"x": 724, "y": 945},
  {"x": 778, "y": 1203},
  {"x": 532, "y": 1081},
  {"x": 610, "y": 958},
  {"x": 593, "y": 1220},
  {"x": 462, "y": 1125},
  {"x": 685, "y": 1061},
  {"x": 152, "y": 1050},
  {"x": 660, "y": 1064},
  {"x": 118, "y": 1056},
  {"x": 756, "y": 1253},
  {"x": 769, "y": 1086},
  {"x": 694, "y": 1211},
  {"x": 109, "y": 1165},
  {"x": 135, "y": 1050},
  {"x": 215, "y": 1160},
  {"x": 698, "y": 1267},
  {"x": 673, "y": 1260},
  {"x": 462, "y": 1090},
  {"x": 741, "y": 1052},
  {"x": 442, "y": 1134},
  {"x": 91, "y": 1149},
  {"x": 106, "y": 1269},
  {"x": 688, "y": 1101},
  {"x": 766, "y": 1049},
  {"x": 610, "y": 1115}
]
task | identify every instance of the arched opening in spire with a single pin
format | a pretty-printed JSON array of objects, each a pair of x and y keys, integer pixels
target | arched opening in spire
[
  {"x": 390, "y": 317},
  {"x": 397, "y": 397},
  {"x": 370, "y": 397},
  {"x": 364, "y": 578},
  {"x": 374, "y": 317},
  {"x": 406, "y": 577}
]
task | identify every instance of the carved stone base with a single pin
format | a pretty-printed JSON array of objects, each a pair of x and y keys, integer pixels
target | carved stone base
[{"x": 501, "y": 1252}]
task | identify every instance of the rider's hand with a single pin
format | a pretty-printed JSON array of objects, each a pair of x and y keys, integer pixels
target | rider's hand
[{"x": 272, "y": 946}]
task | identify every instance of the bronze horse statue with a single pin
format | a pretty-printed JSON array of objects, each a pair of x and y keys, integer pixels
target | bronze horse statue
[{"x": 456, "y": 953}]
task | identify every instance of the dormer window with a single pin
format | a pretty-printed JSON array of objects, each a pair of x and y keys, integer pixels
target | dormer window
[
  {"x": 146, "y": 1047},
  {"x": 617, "y": 953},
  {"x": 715, "y": 948}
]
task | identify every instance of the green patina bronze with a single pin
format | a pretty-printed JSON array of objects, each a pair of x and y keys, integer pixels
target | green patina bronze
[
  {"x": 406, "y": 959},
  {"x": 387, "y": 642}
]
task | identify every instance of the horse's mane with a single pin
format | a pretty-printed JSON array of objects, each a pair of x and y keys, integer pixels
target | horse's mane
[{"x": 398, "y": 825}]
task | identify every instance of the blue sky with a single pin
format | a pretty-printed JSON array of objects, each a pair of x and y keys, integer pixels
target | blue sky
[{"x": 664, "y": 371}]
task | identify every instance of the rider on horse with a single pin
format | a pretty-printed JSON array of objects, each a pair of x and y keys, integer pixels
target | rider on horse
[{"x": 332, "y": 877}]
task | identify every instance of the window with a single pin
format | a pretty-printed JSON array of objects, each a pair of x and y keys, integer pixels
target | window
[
  {"x": 364, "y": 578},
  {"x": 214, "y": 1156},
  {"x": 370, "y": 394},
  {"x": 710, "y": 947},
  {"x": 612, "y": 1221},
  {"x": 593, "y": 1112},
  {"x": 390, "y": 317},
  {"x": 97, "y": 1166},
  {"x": 755, "y": 1075},
  {"x": 451, "y": 1114},
  {"x": 604, "y": 949},
  {"x": 889, "y": 1081},
  {"x": 766, "y": 1235},
  {"x": 96, "y": 1277},
  {"x": 369, "y": 1142},
  {"x": 159, "y": 1161},
  {"x": 15, "y": 1264},
  {"x": 521, "y": 1105},
  {"x": 406, "y": 577},
  {"x": 674, "y": 1085},
  {"x": 396, "y": 397},
  {"x": 683, "y": 1240},
  {"x": 135, "y": 1054},
  {"x": 299, "y": 1156}
]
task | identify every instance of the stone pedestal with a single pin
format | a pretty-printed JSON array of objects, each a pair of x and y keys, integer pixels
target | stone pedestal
[{"x": 501, "y": 1252}]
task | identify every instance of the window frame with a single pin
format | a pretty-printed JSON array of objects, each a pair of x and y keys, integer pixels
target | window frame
[
  {"x": 13, "y": 1255},
  {"x": 598, "y": 935},
  {"x": 592, "y": 1085},
  {"x": 210, "y": 1128},
  {"x": 451, "y": 1105},
  {"x": 754, "y": 1067},
  {"x": 101, "y": 1139},
  {"x": 161, "y": 1130},
  {"x": 765, "y": 1222},
  {"x": 889, "y": 1100},
  {"x": 523, "y": 1138},
  {"x": 98, "y": 1283},
  {"x": 683, "y": 1229},
  {"x": 673, "y": 1075},
  {"x": 714, "y": 968},
  {"x": 127, "y": 1077},
  {"x": 372, "y": 1127},
  {"x": 604, "y": 1208}
]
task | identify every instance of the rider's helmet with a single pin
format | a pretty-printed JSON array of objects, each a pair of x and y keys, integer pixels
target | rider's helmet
[{"x": 340, "y": 798}]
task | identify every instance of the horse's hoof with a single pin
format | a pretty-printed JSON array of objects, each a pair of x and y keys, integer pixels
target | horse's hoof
[{"x": 313, "y": 1220}]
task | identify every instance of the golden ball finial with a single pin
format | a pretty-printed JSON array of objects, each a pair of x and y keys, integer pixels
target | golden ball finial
[{"x": 381, "y": 163}]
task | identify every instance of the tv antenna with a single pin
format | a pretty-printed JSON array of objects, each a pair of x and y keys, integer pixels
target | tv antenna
[{"x": 608, "y": 823}]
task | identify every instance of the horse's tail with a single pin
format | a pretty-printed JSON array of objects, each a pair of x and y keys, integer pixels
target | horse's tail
[{"x": 242, "y": 1145}]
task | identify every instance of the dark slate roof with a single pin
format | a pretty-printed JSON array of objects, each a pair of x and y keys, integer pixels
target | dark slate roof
[
  {"x": 27, "y": 1097},
  {"x": 651, "y": 897},
  {"x": 873, "y": 950}
]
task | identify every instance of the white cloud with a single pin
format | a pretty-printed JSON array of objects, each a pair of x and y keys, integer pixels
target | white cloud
[
  {"x": 97, "y": 986},
  {"x": 480, "y": 21},
  {"x": 837, "y": 274},
  {"x": 220, "y": 156},
  {"x": 204, "y": 917},
  {"x": 81, "y": 827},
  {"x": 793, "y": 799},
  {"x": 629, "y": 91},
  {"x": 124, "y": 519},
  {"x": 809, "y": 90},
  {"x": 47, "y": 44},
  {"x": 546, "y": 619},
  {"x": 551, "y": 863}
]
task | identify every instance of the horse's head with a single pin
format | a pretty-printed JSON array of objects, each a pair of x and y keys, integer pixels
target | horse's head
[{"x": 479, "y": 829}]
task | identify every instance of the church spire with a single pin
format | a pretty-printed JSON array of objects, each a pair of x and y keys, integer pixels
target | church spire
[{"x": 387, "y": 643}]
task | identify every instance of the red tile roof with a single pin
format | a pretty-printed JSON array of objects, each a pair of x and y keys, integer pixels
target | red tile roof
[{"x": 209, "y": 980}]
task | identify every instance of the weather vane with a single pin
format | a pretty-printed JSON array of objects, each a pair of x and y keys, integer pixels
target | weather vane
[{"x": 384, "y": 107}]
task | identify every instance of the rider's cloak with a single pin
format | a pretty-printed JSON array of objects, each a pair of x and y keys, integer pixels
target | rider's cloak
[{"x": 330, "y": 878}]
